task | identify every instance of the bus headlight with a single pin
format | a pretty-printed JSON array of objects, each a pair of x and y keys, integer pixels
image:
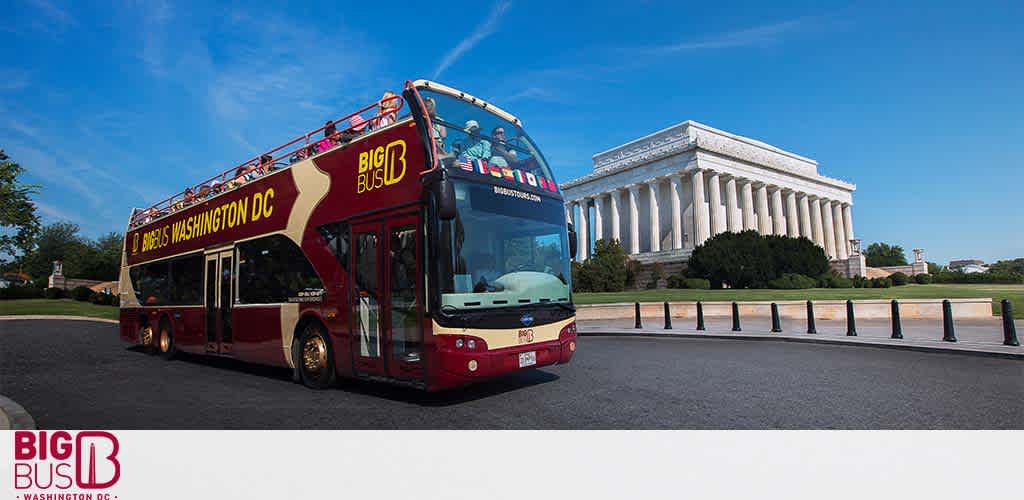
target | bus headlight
[
  {"x": 471, "y": 344},
  {"x": 458, "y": 343}
]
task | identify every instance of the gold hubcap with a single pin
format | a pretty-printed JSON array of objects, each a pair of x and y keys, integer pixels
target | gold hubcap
[
  {"x": 314, "y": 355},
  {"x": 165, "y": 341},
  {"x": 147, "y": 336}
]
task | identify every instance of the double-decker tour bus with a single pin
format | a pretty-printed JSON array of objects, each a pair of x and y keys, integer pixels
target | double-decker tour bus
[{"x": 425, "y": 243}]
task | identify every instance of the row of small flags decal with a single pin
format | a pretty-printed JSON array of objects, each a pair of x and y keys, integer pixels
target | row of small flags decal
[{"x": 481, "y": 166}]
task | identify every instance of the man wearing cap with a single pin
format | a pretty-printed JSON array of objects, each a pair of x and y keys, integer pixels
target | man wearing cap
[{"x": 476, "y": 146}]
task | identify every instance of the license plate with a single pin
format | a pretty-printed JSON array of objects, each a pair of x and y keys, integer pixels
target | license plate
[{"x": 527, "y": 359}]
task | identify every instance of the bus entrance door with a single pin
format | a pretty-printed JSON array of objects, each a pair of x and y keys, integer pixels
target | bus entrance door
[
  {"x": 218, "y": 300},
  {"x": 386, "y": 298},
  {"x": 366, "y": 299}
]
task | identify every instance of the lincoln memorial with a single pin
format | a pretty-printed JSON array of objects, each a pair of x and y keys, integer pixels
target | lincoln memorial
[{"x": 663, "y": 194}]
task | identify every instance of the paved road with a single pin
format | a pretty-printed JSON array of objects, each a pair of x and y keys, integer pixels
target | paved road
[{"x": 77, "y": 375}]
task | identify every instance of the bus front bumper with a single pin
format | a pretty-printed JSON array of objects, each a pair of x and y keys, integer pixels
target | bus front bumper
[{"x": 460, "y": 368}]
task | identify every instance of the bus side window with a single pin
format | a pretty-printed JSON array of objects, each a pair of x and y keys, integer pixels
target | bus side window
[{"x": 339, "y": 241}]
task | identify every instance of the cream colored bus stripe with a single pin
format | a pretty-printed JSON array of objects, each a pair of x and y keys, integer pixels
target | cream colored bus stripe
[{"x": 507, "y": 337}]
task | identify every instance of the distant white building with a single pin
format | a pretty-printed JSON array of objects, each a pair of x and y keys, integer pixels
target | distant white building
[
  {"x": 664, "y": 194},
  {"x": 968, "y": 266}
]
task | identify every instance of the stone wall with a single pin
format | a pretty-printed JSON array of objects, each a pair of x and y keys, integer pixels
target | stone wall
[{"x": 823, "y": 309}]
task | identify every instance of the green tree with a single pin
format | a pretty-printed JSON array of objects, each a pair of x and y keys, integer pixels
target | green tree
[
  {"x": 884, "y": 254},
  {"x": 934, "y": 268},
  {"x": 57, "y": 241},
  {"x": 1014, "y": 266},
  {"x": 605, "y": 270},
  {"x": 19, "y": 223}
]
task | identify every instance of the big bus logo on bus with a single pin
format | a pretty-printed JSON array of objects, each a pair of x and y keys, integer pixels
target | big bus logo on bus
[
  {"x": 381, "y": 166},
  {"x": 59, "y": 460}
]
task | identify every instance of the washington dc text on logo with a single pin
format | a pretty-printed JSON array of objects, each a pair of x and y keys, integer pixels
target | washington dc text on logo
[{"x": 60, "y": 465}]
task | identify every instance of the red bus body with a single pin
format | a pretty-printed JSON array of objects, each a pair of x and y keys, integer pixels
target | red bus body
[{"x": 375, "y": 189}]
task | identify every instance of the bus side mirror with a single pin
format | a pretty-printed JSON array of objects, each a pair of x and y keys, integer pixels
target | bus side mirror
[
  {"x": 445, "y": 199},
  {"x": 572, "y": 242}
]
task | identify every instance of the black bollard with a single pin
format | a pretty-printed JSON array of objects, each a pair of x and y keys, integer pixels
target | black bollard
[
  {"x": 1009, "y": 329},
  {"x": 948, "y": 335},
  {"x": 851, "y": 321},
  {"x": 810, "y": 318},
  {"x": 637, "y": 314},
  {"x": 668, "y": 317},
  {"x": 700, "y": 315},
  {"x": 736, "y": 317},
  {"x": 776, "y": 324},
  {"x": 897, "y": 324}
]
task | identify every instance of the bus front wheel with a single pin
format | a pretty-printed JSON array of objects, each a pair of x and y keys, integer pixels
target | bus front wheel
[{"x": 316, "y": 359}]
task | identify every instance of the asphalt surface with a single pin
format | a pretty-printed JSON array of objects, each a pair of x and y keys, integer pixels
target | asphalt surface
[{"x": 70, "y": 374}]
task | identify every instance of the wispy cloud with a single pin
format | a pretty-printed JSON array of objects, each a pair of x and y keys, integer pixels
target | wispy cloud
[
  {"x": 53, "y": 12},
  {"x": 485, "y": 29},
  {"x": 757, "y": 35},
  {"x": 53, "y": 212}
]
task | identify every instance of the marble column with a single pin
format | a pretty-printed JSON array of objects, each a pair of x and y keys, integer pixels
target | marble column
[
  {"x": 841, "y": 241},
  {"x": 634, "y": 219},
  {"x": 747, "y": 200},
  {"x": 829, "y": 228},
  {"x": 848, "y": 224},
  {"x": 652, "y": 197},
  {"x": 615, "y": 198},
  {"x": 778, "y": 219},
  {"x": 715, "y": 203},
  {"x": 792, "y": 219},
  {"x": 675, "y": 185},
  {"x": 701, "y": 222},
  {"x": 763, "y": 223},
  {"x": 817, "y": 224},
  {"x": 732, "y": 220},
  {"x": 581, "y": 230},
  {"x": 598, "y": 218},
  {"x": 805, "y": 217}
]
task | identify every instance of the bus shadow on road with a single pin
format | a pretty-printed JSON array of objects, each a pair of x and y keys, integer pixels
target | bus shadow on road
[
  {"x": 384, "y": 390},
  {"x": 459, "y": 395}
]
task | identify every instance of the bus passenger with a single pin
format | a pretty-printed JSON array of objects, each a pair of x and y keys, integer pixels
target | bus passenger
[
  {"x": 330, "y": 137},
  {"x": 476, "y": 146},
  {"x": 387, "y": 110},
  {"x": 440, "y": 132},
  {"x": 502, "y": 155}
]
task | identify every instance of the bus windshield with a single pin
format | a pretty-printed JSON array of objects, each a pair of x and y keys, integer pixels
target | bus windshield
[
  {"x": 465, "y": 132},
  {"x": 505, "y": 248}
]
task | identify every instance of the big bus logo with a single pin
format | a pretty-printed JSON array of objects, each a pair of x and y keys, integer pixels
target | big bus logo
[
  {"x": 57, "y": 460},
  {"x": 381, "y": 166}
]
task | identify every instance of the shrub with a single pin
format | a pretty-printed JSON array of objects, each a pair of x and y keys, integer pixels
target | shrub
[
  {"x": 792, "y": 281},
  {"x": 54, "y": 293},
  {"x": 20, "y": 292},
  {"x": 922, "y": 279},
  {"x": 860, "y": 281},
  {"x": 836, "y": 281},
  {"x": 99, "y": 299},
  {"x": 881, "y": 283},
  {"x": 691, "y": 283},
  {"x": 81, "y": 293},
  {"x": 750, "y": 260},
  {"x": 899, "y": 279}
]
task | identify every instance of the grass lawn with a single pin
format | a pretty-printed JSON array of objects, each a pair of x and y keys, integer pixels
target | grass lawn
[
  {"x": 997, "y": 292},
  {"x": 65, "y": 307}
]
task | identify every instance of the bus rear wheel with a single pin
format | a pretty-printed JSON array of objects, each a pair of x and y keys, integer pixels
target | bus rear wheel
[
  {"x": 165, "y": 341},
  {"x": 146, "y": 339},
  {"x": 316, "y": 358}
]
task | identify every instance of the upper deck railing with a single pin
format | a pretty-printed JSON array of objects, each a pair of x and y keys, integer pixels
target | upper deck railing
[{"x": 387, "y": 111}]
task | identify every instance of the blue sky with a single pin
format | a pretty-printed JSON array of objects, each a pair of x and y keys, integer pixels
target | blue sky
[{"x": 111, "y": 106}]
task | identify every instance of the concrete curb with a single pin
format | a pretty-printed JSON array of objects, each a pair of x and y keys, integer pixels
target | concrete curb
[
  {"x": 13, "y": 417},
  {"x": 959, "y": 348},
  {"x": 54, "y": 316}
]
